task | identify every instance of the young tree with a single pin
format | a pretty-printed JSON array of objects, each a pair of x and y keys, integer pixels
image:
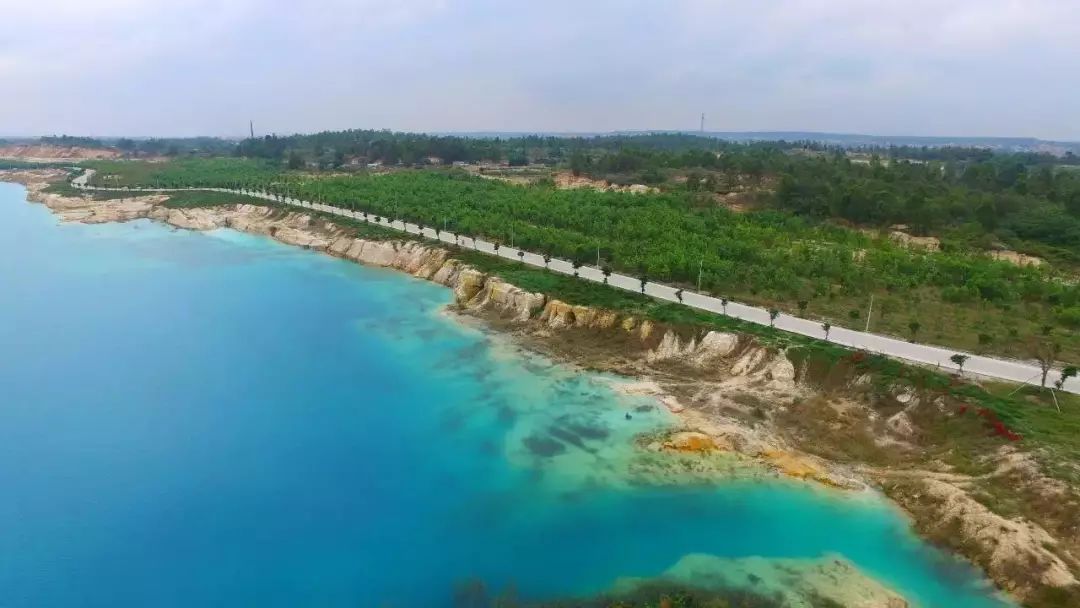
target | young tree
[
  {"x": 959, "y": 360},
  {"x": 606, "y": 271},
  {"x": 723, "y": 305},
  {"x": 576, "y": 263},
  {"x": 886, "y": 306},
  {"x": 1045, "y": 352},
  {"x": 547, "y": 260},
  {"x": 1068, "y": 372},
  {"x": 826, "y": 326},
  {"x": 773, "y": 313},
  {"x": 521, "y": 256},
  {"x": 802, "y": 304},
  {"x": 679, "y": 294},
  {"x": 496, "y": 246}
]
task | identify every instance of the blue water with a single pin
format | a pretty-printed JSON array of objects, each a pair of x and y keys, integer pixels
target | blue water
[{"x": 215, "y": 419}]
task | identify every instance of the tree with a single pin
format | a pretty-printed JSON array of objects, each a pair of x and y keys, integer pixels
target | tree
[
  {"x": 496, "y": 246},
  {"x": 1046, "y": 353},
  {"x": 826, "y": 326},
  {"x": 521, "y": 256},
  {"x": 576, "y": 264},
  {"x": 959, "y": 360},
  {"x": 579, "y": 163},
  {"x": 1068, "y": 372},
  {"x": 547, "y": 260},
  {"x": 773, "y": 313},
  {"x": 802, "y": 304},
  {"x": 295, "y": 160},
  {"x": 914, "y": 327},
  {"x": 606, "y": 271},
  {"x": 679, "y": 294},
  {"x": 1072, "y": 202},
  {"x": 643, "y": 276},
  {"x": 723, "y": 305}
]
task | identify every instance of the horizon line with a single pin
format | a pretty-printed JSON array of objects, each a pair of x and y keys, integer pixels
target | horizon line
[{"x": 558, "y": 133}]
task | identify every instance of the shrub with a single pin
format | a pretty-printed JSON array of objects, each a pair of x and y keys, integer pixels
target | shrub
[{"x": 1070, "y": 317}]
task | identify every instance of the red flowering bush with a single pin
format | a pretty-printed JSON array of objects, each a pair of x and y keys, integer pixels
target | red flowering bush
[{"x": 994, "y": 423}]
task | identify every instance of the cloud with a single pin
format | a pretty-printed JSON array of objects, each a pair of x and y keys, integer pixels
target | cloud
[{"x": 962, "y": 67}]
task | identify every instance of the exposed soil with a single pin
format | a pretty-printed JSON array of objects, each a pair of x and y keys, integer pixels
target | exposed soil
[{"x": 49, "y": 153}]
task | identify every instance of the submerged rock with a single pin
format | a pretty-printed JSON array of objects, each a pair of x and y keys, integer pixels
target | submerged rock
[{"x": 799, "y": 583}]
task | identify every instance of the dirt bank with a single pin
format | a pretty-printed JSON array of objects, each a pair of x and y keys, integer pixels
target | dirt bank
[{"x": 55, "y": 154}]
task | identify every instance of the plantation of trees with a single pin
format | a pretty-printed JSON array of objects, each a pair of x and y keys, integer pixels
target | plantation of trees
[
  {"x": 770, "y": 257},
  {"x": 973, "y": 197}
]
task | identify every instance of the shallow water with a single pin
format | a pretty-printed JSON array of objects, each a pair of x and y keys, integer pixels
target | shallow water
[{"x": 215, "y": 419}]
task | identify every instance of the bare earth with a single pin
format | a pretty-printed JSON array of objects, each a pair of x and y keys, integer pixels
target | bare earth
[{"x": 49, "y": 153}]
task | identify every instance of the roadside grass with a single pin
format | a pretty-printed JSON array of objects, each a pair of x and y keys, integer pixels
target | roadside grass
[
  {"x": 368, "y": 230},
  {"x": 64, "y": 188},
  {"x": 976, "y": 327},
  {"x": 202, "y": 198},
  {"x": 1032, "y": 411}
]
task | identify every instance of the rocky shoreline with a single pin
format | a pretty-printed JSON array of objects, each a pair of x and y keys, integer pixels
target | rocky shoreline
[{"x": 731, "y": 394}]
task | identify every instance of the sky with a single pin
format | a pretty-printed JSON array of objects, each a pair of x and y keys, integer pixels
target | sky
[{"x": 206, "y": 67}]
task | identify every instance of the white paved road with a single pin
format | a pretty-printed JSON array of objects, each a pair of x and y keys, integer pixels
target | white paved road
[{"x": 1005, "y": 369}]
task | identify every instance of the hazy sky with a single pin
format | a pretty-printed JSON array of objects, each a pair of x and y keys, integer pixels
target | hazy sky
[{"x": 188, "y": 67}]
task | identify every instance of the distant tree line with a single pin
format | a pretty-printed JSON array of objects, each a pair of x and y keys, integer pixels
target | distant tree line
[{"x": 70, "y": 141}]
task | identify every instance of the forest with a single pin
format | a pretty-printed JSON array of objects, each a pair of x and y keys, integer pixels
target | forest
[{"x": 772, "y": 256}]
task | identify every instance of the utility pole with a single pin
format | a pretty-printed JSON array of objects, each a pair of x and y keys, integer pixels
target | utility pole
[
  {"x": 251, "y": 126},
  {"x": 869, "y": 312},
  {"x": 700, "y": 264},
  {"x": 597, "y": 257},
  {"x": 702, "y": 123}
]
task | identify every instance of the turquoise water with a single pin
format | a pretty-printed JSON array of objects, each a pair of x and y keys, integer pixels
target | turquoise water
[{"x": 192, "y": 419}]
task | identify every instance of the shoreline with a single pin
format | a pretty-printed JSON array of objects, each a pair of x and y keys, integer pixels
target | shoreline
[{"x": 694, "y": 377}]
